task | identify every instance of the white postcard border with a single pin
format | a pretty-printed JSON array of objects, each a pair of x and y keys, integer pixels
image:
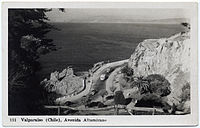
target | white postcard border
[{"x": 140, "y": 120}]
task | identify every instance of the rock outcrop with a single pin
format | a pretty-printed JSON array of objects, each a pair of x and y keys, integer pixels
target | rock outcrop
[
  {"x": 63, "y": 83},
  {"x": 169, "y": 57}
]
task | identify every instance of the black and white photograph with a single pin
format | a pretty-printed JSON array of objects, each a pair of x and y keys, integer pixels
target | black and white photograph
[{"x": 100, "y": 61}]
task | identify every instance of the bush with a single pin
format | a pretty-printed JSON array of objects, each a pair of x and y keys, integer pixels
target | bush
[
  {"x": 119, "y": 98},
  {"x": 185, "y": 95},
  {"x": 101, "y": 105},
  {"x": 153, "y": 100},
  {"x": 153, "y": 87},
  {"x": 110, "y": 97},
  {"x": 159, "y": 85},
  {"x": 128, "y": 71}
]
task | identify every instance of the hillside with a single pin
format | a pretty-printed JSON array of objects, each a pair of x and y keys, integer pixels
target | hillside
[{"x": 169, "y": 57}]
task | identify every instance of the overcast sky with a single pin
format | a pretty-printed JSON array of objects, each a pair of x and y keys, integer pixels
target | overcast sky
[{"x": 114, "y": 15}]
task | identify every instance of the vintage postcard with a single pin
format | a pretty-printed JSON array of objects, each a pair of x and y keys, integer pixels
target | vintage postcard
[{"x": 100, "y": 64}]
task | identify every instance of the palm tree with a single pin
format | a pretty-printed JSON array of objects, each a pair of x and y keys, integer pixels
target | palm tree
[{"x": 142, "y": 84}]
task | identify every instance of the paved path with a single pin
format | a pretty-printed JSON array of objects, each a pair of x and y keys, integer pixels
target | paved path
[
  {"x": 109, "y": 81},
  {"x": 97, "y": 74},
  {"x": 88, "y": 85}
]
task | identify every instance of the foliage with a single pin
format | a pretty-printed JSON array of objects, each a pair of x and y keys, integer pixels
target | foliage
[
  {"x": 26, "y": 42},
  {"x": 119, "y": 98},
  {"x": 26, "y": 37},
  {"x": 152, "y": 100},
  {"x": 153, "y": 88},
  {"x": 86, "y": 99},
  {"x": 128, "y": 71},
  {"x": 142, "y": 84},
  {"x": 110, "y": 97},
  {"x": 159, "y": 85},
  {"x": 127, "y": 101},
  {"x": 185, "y": 92},
  {"x": 185, "y": 24},
  {"x": 154, "y": 83}
]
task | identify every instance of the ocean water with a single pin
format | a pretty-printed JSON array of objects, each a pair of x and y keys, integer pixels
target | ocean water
[{"x": 83, "y": 44}]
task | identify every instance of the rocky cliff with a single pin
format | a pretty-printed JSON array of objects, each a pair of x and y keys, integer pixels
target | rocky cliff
[
  {"x": 63, "y": 83},
  {"x": 169, "y": 57}
]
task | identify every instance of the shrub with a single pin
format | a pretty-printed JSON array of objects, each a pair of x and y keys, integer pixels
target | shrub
[
  {"x": 159, "y": 85},
  {"x": 153, "y": 100},
  {"x": 119, "y": 98},
  {"x": 110, "y": 97},
  {"x": 185, "y": 95},
  {"x": 128, "y": 71},
  {"x": 142, "y": 84},
  {"x": 101, "y": 105}
]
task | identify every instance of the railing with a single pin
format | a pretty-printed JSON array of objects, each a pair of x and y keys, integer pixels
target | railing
[{"x": 153, "y": 110}]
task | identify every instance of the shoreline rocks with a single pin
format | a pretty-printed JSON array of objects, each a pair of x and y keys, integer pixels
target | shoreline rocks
[{"x": 63, "y": 83}]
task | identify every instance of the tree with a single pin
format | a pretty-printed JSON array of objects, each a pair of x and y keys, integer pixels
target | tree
[
  {"x": 154, "y": 83},
  {"x": 128, "y": 71},
  {"x": 142, "y": 84},
  {"x": 119, "y": 99},
  {"x": 153, "y": 88},
  {"x": 158, "y": 85},
  {"x": 26, "y": 37},
  {"x": 26, "y": 42}
]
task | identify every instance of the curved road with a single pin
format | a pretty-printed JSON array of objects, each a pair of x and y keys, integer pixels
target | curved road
[
  {"x": 110, "y": 79},
  {"x": 94, "y": 78}
]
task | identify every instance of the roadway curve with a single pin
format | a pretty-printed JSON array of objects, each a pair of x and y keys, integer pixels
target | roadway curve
[
  {"x": 94, "y": 78},
  {"x": 109, "y": 81}
]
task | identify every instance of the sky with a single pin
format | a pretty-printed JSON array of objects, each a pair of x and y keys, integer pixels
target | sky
[{"x": 116, "y": 15}]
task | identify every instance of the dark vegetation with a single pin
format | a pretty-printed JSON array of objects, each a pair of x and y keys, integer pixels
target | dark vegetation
[
  {"x": 95, "y": 104},
  {"x": 185, "y": 96},
  {"x": 110, "y": 97},
  {"x": 185, "y": 24},
  {"x": 127, "y": 71},
  {"x": 26, "y": 42},
  {"x": 185, "y": 92},
  {"x": 152, "y": 89},
  {"x": 119, "y": 98},
  {"x": 153, "y": 100}
]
